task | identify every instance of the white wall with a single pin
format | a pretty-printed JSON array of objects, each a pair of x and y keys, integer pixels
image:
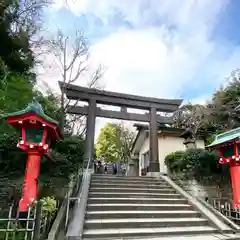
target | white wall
[
  {"x": 144, "y": 148},
  {"x": 200, "y": 144},
  {"x": 166, "y": 145}
]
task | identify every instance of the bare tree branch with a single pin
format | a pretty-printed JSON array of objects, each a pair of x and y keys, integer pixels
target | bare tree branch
[
  {"x": 72, "y": 55},
  {"x": 191, "y": 117}
]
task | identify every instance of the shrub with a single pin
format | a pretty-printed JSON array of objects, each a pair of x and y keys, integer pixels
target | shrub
[
  {"x": 49, "y": 206},
  {"x": 193, "y": 161},
  {"x": 173, "y": 161},
  {"x": 200, "y": 161}
]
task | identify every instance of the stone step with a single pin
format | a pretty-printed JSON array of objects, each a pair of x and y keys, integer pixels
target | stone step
[
  {"x": 206, "y": 236},
  {"x": 130, "y": 185},
  {"x": 141, "y": 214},
  {"x": 117, "y": 181},
  {"x": 136, "y": 206},
  {"x": 132, "y": 189},
  {"x": 106, "y": 176},
  {"x": 144, "y": 223},
  {"x": 136, "y": 200},
  {"x": 139, "y": 232},
  {"x": 132, "y": 194}
]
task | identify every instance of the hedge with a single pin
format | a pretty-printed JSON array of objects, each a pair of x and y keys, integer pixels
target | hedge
[{"x": 193, "y": 161}]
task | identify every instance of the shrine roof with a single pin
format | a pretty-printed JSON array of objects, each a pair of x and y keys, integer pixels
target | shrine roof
[
  {"x": 225, "y": 137},
  {"x": 34, "y": 107}
]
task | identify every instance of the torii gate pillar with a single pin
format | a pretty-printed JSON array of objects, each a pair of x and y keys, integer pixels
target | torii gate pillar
[
  {"x": 91, "y": 119},
  {"x": 154, "y": 158}
]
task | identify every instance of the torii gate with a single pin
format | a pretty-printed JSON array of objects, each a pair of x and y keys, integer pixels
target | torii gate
[{"x": 94, "y": 96}]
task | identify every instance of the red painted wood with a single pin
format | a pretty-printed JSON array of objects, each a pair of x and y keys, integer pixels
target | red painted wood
[
  {"x": 30, "y": 186},
  {"x": 235, "y": 178}
]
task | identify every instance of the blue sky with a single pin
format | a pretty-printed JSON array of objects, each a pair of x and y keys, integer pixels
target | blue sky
[{"x": 160, "y": 48}]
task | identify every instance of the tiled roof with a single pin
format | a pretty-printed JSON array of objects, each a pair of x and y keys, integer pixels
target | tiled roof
[{"x": 226, "y": 137}]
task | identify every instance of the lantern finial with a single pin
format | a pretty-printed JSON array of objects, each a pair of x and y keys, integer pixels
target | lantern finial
[{"x": 36, "y": 107}]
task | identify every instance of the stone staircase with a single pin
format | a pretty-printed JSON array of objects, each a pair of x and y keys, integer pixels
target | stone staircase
[
  {"x": 139, "y": 207},
  {"x": 109, "y": 169}
]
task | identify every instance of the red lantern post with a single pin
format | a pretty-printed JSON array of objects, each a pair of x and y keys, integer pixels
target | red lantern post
[
  {"x": 37, "y": 132},
  {"x": 228, "y": 146}
]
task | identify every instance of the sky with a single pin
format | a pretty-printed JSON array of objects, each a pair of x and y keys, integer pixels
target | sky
[{"x": 159, "y": 48}]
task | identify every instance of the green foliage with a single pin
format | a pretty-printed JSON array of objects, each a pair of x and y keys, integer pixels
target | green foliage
[
  {"x": 50, "y": 104},
  {"x": 15, "y": 48},
  {"x": 49, "y": 206},
  {"x": 12, "y": 160},
  {"x": 66, "y": 155},
  {"x": 223, "y": 104},
  {"x": 12, "y": 87},
  {"x": 19, "y": 23},
  {"x": 217, "y": 115},
  {"x": 194, "y": 161},
  {"x": 200, "y": 161},
  {"x": 15, "y": 94},
  {"x": 114, "y": 143},
  {"x": 173, "y": 161}
]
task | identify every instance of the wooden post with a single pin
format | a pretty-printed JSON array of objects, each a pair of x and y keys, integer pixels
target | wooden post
[
  {"x": 235, "y": 177},
  {"x": 37, "y": 222}
]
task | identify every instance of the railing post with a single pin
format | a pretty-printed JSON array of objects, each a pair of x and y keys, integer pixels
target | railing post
[
  {"x": 37, "y": 225},
  {"x": 9, "y": 222},
  {"x": 67, "y": 211}
]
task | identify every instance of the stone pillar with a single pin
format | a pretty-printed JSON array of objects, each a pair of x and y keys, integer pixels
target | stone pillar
[
  {"x": 189, "y": 138},
  {"x": 153, "y": 161},
  {"x": 189, "y": 143},
  {"x": 91, "y": 118},
  {"x": 132, "y": 167}
]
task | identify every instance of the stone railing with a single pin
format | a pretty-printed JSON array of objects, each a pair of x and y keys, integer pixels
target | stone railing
[{"x": 215, "y": 190}]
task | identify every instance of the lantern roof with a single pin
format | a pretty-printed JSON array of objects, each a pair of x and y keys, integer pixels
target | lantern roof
[
  {"x": 34, "y": 107},
  {"x": 34, "y": 110},
  {"x": 228, "y": 136}
]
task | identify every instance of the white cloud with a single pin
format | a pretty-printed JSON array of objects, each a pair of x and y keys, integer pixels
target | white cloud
[
  {"x": 161, "y": 60},
  {"x": 145, "y": 62}
]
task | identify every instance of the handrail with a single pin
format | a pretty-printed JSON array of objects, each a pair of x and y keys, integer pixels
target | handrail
[{"x": 69, "y": 199}]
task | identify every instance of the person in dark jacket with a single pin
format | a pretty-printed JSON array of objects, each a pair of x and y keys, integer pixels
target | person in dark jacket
[
  {"x": 114, "y": 168},
  {"x": 95, "y": 166}
]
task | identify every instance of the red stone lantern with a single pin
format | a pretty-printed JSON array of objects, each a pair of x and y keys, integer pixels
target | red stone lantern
[
  {"x": 38, "y": 131},
  {"x": 228, "y": 145}
]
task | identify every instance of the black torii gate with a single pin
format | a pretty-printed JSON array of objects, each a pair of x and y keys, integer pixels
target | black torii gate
[{"x": 94, "y": 96}]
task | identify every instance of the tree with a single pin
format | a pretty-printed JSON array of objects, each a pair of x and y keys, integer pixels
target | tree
[
  {"x": 19, "y": 25},
  {"x": 220, "y": 114},
  {"x": 224, "y": 114},
  {"x": 192, "y": 117},
  {"x": 71, "y": 60},
  {"x": 126, "y": 139},
  {"x": 15, "y": 94},
  {"x": 114, "y": 143}
]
